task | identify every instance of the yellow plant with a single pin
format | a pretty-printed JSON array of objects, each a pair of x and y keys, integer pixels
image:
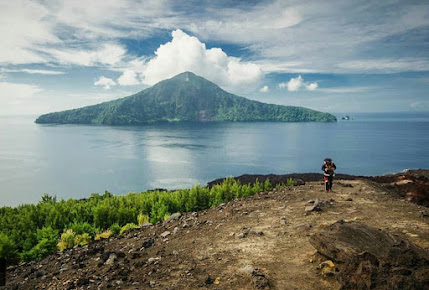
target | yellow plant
[
  {"x": 128, "y": 227},
  {"x": 142, "y": 219},
  {"x": 103, "y": 235},
  {"x": 82, "y": 239},
  {"x": 167, "y": 216},
  {"x": 66, "y": 240}
]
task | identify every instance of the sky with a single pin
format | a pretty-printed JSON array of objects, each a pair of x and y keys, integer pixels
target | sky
[{"x": 333, "y": 56}]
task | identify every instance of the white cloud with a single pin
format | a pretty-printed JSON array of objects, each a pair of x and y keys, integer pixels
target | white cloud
[
  {"x": 14, "y": 97},
  {"x": 321, "y": 34},
  {"x": 297, "y": 83},
  {"x": 106, "y": 83},
  {"x": 107, "y": 54},
  {"x": 311, "y": 86},
  {"x": 23, "y": 26},
  {"x": 386, "y": 65},
  {"x": 345, "y": 90},
  {"x": 187, "y": 53},
  {"x": 264, "y": 89},
  {"x": 128, "y": 78},
  {"x": 33, "y": 71}
]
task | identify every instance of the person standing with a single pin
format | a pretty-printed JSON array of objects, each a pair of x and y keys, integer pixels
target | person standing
[{"x": 328, "y": 168}]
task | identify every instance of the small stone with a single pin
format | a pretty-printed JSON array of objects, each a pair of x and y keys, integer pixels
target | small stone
[
  {"x": 256, "y": 233},
  {"x": 283, "y": 220},
  {"x": 112, "y": 259},
  {"x": 40, "y": 273},
  {"x": 153, "y": 260},
  {"x": 152, "y": 283},
  {"x": 241, "y": 235},
  {"x": 176, "y": 230},
  {"x": 248, "y": 269},
  {"x": 173, "y": 217}
]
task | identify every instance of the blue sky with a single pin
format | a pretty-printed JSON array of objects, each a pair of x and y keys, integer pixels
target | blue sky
[{"x": 334, "y": 56}]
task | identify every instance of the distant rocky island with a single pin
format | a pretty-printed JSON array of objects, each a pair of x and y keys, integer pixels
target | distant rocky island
[{"x": 183, "y": 98}]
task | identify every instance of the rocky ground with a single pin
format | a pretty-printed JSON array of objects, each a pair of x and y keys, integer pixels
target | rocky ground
[{"x": 267, "y": 241}]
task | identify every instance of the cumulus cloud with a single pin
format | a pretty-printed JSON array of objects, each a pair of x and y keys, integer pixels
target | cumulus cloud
[
  {"x": 188, "y": 53},
  {"x": 128, "y": 78},
  {"x": 311, "y": 86},
  {"x": 297, "y": 83},
  {"x": 264, "y": 89},
  {"x": 106, "y": 83}
]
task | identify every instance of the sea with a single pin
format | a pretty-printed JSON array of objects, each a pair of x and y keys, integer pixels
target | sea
[{"x": 74, "y": 161}]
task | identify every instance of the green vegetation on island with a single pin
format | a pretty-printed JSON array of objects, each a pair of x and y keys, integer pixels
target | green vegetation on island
[
  {"x": 185, "y": 97},
  {"x": 33, "y": 231}
]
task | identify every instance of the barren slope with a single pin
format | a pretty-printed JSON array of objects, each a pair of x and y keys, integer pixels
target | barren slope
[{"x": 219, "y": 248}]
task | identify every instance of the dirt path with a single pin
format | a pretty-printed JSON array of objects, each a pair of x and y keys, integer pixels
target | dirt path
[{"x": 267, "y": 234}]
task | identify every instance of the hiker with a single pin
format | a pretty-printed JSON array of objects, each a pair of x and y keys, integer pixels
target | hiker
[{"x": 328, "y": 168}]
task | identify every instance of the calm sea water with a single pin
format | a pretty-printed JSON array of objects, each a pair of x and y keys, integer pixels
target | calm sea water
[{"x": 77, "y": 160}]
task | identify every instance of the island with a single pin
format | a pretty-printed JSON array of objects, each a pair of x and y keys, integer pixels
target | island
[{"x": 183, "y": 98}]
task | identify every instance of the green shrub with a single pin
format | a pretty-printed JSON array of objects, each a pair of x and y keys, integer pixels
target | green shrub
[
  {"x": 34, "y": 228},
  {"x": 267, "y": 184},
  {"x": 82, "y": 228},
  {"x": 104, "y": 215},
  {"x": 115, "y": 228},
  {"x": 290, "y": 182},
  {"x": 7, "y": 248},
  {"x": 47, "y": 239}
]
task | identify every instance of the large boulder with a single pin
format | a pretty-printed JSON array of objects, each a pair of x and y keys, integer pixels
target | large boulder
[{"x": 370, "y": 258}]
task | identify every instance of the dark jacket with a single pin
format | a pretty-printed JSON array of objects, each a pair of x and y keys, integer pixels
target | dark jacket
[{"x": 328, "y": 170}]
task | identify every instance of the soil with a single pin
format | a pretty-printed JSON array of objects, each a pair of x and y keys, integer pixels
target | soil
[{"x": 261, "y": 242}]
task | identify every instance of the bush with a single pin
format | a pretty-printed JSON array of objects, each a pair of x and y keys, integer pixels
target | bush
[
  {"x": 82, "y": 239},
  {"x": 7, "y": 248},
  {"x": 267, "y": 185},
  {"x": 47, "y": 239},
  {"x": 115, "y": 229},
  {"x": 128, "y": 227},
  {"x": 34, "y": 228},
  {"x": 67, "y": 240},
  {"x": 290, "y": 182},
  {"x": 104, "y": 215},
  {"x": 82, "y": 228}
]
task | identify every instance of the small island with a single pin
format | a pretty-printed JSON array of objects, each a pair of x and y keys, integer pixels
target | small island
[{"x": 183, "y": 98}]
